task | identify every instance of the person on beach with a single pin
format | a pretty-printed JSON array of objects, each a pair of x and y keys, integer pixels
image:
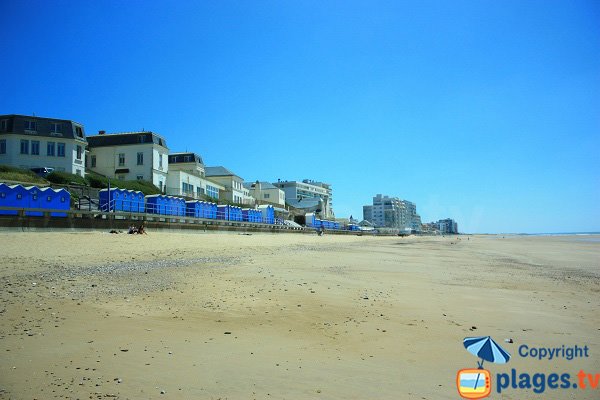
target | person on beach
[
  {"x": 141, "y": 230},
  {"x": 132, "y": 230},
  {"x": 321, "y": 231}
]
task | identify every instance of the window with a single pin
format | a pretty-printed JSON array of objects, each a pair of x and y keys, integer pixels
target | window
[
  {"x": 78, "y": 131},
  {"x": 140, "y": 158},
  {"x": 187, "y": 188},
  {"x": 79, "y": 151},
  {"x": 55, "y": 127},
  {"x": 30, "y": 126},
  {"x": 121, "y": 159},
  {"x": 93, "y": 161},
  {"x": 266, "y": 195},
  {"x": 60, "y": 149},
  {"x": 24, "y": 146},
  {"x": 140, "y": 177},
  {"x": 35, "y": 147},
  {"x": 3, "y": 146},
  {"x": 212, "y": 191},
  {"x": 142, "y": 139},
  {"x": 3, "y": 125},
  {"x": 160, "y": 164},
  {"x": 199, "y": 191},
  {"x": 50, "y": 149}
]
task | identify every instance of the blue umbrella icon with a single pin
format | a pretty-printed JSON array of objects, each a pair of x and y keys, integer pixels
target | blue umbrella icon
[{"x": 487, "y": 349}]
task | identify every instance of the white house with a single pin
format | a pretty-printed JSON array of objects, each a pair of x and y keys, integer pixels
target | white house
[
  {"x": 33, "y": 142},
  {"x": 186, "y": 177},
  {"x": 234, "y": 185},
  {"x": 130, "y": 156},
  {"x": 265, "y": 192}
]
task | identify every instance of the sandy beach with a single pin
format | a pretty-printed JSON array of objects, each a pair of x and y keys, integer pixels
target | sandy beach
[{"x": 286, "y": 316}]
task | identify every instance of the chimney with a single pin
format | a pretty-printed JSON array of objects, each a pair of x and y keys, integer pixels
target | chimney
[{"x": 101, "y": 132}]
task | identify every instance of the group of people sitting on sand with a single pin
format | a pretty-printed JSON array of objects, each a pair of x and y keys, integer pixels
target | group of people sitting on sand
[{"x": 137, "y": 230}]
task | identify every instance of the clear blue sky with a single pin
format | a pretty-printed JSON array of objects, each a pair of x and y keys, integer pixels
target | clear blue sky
[{"x": 484, "y": 111}]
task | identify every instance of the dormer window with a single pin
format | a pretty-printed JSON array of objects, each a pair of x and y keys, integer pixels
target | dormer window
[
  {"x": 30, "y": 126},
  {"x": 79, "y": 131},
  {"x": 56, "y": 129}
]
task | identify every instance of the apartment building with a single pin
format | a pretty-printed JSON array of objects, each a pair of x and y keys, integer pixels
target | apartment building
[{"x": 308, "y": 194}]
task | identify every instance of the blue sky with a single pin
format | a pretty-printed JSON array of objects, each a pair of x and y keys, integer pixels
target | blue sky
[{"x": 484, "y": 111}]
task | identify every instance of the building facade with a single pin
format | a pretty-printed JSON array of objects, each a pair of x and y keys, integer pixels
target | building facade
[
  {"x": 234, "y": 189},
  {"x": 266, "y": 193},
  {"x": 447, "y": 225},
  {"x": 392, "y": 212},
  {"x": 34, "y": 142},
  {"x": 308, "y": 194},
  {"x": 186, "y": 177},
  {"x": 130, "y": 156}
]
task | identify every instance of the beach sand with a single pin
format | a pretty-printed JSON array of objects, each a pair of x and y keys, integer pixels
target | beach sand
[{"x": 286, "y": 316}]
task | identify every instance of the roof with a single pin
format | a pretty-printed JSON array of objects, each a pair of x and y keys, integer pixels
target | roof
[
  {"x": 47, "y": 127},
  {"x": 263, "y": 185},
  {"x": 126, "y": 138},
  {"x": 176, "y": 158},
  {"x": 218, "y": 171}
]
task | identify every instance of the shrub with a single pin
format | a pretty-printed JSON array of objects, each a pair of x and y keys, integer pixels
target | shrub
[
  {"x": 65, "y": 178},
  {"x": 19, "y": 175}
]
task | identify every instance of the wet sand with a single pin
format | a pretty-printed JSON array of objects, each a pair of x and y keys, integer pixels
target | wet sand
[{"x": 228, "y": 316}]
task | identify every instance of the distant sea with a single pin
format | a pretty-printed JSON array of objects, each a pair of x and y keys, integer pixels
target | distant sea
[
  {"x": 554, "y": 234},
  {"x": 578, "y": 236}
]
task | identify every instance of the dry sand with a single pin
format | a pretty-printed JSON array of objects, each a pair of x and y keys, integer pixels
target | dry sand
[{"x": 209, "y": 316}]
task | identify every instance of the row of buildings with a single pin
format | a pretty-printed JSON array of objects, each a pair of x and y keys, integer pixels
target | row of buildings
[
  {"x": 33, "y": 142},
  {"x": 393, "y": 212}
]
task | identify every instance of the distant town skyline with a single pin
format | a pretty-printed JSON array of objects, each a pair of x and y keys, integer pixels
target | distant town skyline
[{"x": 487, "y": 113}]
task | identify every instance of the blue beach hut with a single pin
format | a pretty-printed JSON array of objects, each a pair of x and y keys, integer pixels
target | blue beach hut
[
  {"x": 155, "y": 204},
  {"x": 223, "y": 212},
  {"x": 13, "y": 196},
  {"x": 267, "y": 213},
  {"x": 111, "y": 200},
  {"x": 54, "y": 199}
]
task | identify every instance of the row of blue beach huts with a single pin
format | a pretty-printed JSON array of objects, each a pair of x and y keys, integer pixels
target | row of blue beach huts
[
  {"x": 42, "y": 198},
  {"x": 313, "y": 222},
  {"x": 116, "y": 199}
]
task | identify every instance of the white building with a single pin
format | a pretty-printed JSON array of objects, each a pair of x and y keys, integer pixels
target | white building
[
  {"x": 186, "y": 177},
  {"x": 33, "y": 142},
  {"x": 234, "y": 185},
  {"x": 447, "y": 225},
  {"x": 308, "y": 194},
  {"x": 392, "y": 212},
  {"x": 130, "y": 156},
  {"x": 264, "y": 192}
]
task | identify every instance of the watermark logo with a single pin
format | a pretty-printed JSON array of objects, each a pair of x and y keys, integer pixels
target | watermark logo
[{"x": 476, "y": 383}]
